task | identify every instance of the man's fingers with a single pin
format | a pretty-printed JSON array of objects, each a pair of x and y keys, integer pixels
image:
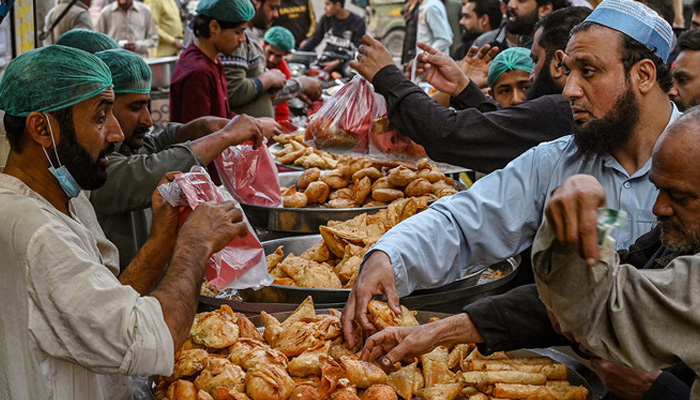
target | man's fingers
[
  {"x": 392, "y": 298},
  {"x": 471, "y": 52},
  {"x": 589, "y": 236},
  {"x": 361, "y": 311},
  {"x": 428, "y": 49},
  {"x": 356, "y": 66},
  {"x": 369, "y": 40},
  {"x": 483, "y": 51},
  {"x": 491, "y": 54},
  {"x": 398, "y": 353},
  {"x": 168, "y": 177},
  {"x": 348, "y": 322}
]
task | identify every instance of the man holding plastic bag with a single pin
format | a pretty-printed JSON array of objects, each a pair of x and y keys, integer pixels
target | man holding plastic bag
[{"x": 65, "y": 313}]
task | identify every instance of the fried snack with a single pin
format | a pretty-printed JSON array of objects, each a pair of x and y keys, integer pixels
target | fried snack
[
  {"x": 215, "y": 329},
  {"x": 362, "y": 374},
  {"x": 370, "y": 172},
  {"x": 307, "y": 363},
  {"x": 312, "y": 274},
  {"x": 315, "y": 160},
  {"x": 238, "y": 353},
  {"x": 362, "y": 189},
  {"x": 335, "y": 179},
  {"x": 288, "y": 191},
  {"x": 343, "y": 193},
  {"x": 432, "y": 173},
  {"x": 418, "y": 187},
  {"x": 220, "y": 372},
  {"x": 304, "y": 392},
  {"x": 268, "y": 382},
  {"x": 406, "y": 381},
  {"x": 382, "y": 183},
  {"x": 435, "y": 369},
  {"x": 349, "y": 266},
  {"x": 317, "y": 192},
  {"x": 182, "y": 390},
  {"x": 379, "y": 392},
  {"x": 223, "y": 393},
  {"x": 374, "y": 203},
  {"x": 474, "y": 378},
  {"x": 387, "y": 195},
  {"x": 345, "y": 393},
  {"x": 443, "y": 391},
  {"x": 551, "y": 370},
  {"x": 535, "y": 392},
  {"x": 296, "y": 200},
  {"x": 383, "y": 317},
  {"x": 354, "y": 230},
  {"x": 313, "y": 380},
  {"x": 331, "y": 375},
  {"x": 202, "y": 395},
  {"x": 342, "y": 203},
  {"x": 308, "y": 176},
  {"x": 284, "y": 281},
  {"x": 246, "y": 329},
  {"x": 458, "y": 353},
  {"x": 273, "y": 259},
  {"x": 262, "y": 355},
  {"x": 291, "y": 156},
  {"x": 401, "y": 176},
  {"x": 478, "y": 396},
  {"x": 442, "y": 189},
  {"x": 318, "y": 252},
  {"x": 189, "y": 362}
]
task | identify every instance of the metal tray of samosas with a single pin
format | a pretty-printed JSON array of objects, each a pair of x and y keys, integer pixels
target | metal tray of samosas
[{"x": 468, "y": 286}]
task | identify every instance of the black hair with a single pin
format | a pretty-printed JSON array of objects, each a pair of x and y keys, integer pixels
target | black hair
[
  {"x": 695, "y": 6},
  {"x": 633, "y": 52},
  {"x": 492, "y": 8},
  {"x": 556, "y": 27},
  {"x": 689, "y": 40},
  {"x": 14, "y": 126},
  {"x": 200, "y": 25},
  {"x": 341, "y": 2},
  {"x": 556, "y": 4},
  {"x": 664, "y": 8}
]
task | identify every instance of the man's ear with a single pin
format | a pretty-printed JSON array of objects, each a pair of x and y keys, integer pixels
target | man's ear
[
  {"x": 544, "y": 10},
  {"x": 490, "y": 93},
  {"x": 38, "y": 131},
  {"x": 556, "y": 66},
  {"x": 214, "y": 26},
  {"x": 644, "y": 73}
]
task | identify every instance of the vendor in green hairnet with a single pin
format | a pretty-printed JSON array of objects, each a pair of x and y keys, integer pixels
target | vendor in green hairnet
[
  {"x": 198, "y": 86},
  {"x": 509, "y": 76},
  {"x": 123, "y": 203},
  {"x": 278, "y": 43},
  {"x": 69, "y": 327},
  {"x": 85, "y": 39}
]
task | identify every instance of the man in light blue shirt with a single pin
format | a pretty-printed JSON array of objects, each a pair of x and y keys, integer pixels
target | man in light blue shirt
[
  {"x": 620, "y": 109},
  {"x": 433, "y": 26}
]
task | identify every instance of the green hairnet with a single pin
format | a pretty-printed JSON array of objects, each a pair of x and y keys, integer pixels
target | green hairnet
[
  {"x": 85, "y": 39},
  {"x": 281, "y": 38},
  {"x": 232, "y": 11},
  {"x": 130, "y": 74},
  {"x": 508, "y": 60},
  {"x": 51, "y": 78}
]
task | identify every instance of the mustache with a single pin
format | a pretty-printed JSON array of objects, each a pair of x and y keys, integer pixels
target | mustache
[
  {"x": 141, "y": 129},
  {"x": 108, "y": 149}
]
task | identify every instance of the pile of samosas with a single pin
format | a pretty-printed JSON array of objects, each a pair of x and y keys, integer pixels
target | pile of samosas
[
  {"x": 357, "y": 182},
  {"x": 305, "y": 357},
  {"x": 296, "y": 152},
  {"x": 334, "y": 262}
]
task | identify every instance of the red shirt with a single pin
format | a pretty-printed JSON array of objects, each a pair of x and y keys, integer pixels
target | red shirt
[
  {"x": 282, "y": 109},
  {"x": 198, "y": 87}
]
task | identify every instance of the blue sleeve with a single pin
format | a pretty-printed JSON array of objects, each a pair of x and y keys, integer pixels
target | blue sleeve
[
  {"x": 436, "y": 19},
  {"x": 495, "y": 219}
]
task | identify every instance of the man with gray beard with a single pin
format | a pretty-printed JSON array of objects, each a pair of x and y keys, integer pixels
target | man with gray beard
[{"x": 643, "y": 317}]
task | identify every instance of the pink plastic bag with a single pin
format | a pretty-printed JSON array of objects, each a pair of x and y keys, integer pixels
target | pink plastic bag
[
  {"x": 250, "y": 175},
  {"x": 241, "y": 264}
]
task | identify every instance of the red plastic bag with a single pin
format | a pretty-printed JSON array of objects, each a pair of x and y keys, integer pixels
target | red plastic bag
[
  {"x": 250, "y": 175},
  {"x": 345, "y": 120},
  {"x": 386, "y": 143},
  {"x": 241, "y": 264}
]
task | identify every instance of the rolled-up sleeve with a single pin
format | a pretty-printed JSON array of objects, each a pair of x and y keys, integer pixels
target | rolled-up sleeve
[{"x": 79, "y": 312}]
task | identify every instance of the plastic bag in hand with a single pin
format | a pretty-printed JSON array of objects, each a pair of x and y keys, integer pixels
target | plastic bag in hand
[
  {"x": 239, "y": 265},
  {"x": 250, "y": 175},
  {"x": 386, "y": 143},
  {"x": 345, "y": 120}
]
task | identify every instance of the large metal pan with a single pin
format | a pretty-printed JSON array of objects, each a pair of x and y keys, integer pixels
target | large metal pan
[{"x": 450, "y": 297}]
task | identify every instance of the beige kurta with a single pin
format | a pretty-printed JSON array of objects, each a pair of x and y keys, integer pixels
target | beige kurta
[
  {"x": 77, "y": 16},
  {"x": 134, "y": 25},
  {"x": 68, "y": 328},
  {"x": 646, "y": 319}
]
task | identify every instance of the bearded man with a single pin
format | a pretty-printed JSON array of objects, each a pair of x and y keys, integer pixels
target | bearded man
[{"x": 617, "y": 85}]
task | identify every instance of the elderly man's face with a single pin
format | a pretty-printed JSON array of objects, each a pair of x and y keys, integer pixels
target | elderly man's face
[
  {"x": 131, "y": 110},
  {"x": 83, "y": 147},
  {"x": 676, "y": 173},
  {"x": 686, "y": 78},
  {"x": 603, "y": 101}
]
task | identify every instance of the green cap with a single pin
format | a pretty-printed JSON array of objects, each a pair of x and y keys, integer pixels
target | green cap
[
  {"x": 51, "y": 78},
  {"x": 281, "y": 38},
  {"x": 232, "y": 11},
  {"x": 85, "y": 39},
  {"x": 130, "y": 73},
  {"x": 508, "y": 60}
]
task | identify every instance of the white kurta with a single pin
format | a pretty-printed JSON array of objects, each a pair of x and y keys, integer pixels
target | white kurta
[{"x": 68, "y": 328}]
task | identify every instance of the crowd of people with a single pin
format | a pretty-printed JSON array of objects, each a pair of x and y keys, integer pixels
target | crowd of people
[{"x": 567, "y": 107}]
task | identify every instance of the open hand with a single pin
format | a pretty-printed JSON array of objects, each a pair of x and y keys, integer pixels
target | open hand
[
  {"x": 372, "y": 58},
  {"x": 441, "y": 71},
  {"x": 476, "y": 64}
]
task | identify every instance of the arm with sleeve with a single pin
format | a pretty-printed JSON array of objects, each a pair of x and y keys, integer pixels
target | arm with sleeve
[
  {"x": 475, "y": 137},
  {"x": 241, "y": 89},
  {"x": 317, "y": 36}
]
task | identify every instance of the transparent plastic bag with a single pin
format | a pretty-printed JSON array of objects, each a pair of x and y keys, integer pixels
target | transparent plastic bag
[
  {"x": 250, "y": 175},
  {"x": 239, "y": 265},
  {"x": 345, "y": 120},
  {"x": 386, "y": 143}
]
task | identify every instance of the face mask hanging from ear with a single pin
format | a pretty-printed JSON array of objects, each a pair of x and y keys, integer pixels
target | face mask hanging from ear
[{"x": 64, "y": 177}]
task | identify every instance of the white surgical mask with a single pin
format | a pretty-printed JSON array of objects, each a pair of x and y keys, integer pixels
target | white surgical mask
[{"x": 64, "y": 177}]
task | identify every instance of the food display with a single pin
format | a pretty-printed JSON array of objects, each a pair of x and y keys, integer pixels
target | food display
[
  {"x": 297, "y": 152},
  {"x": 357, "y": 182},
  {"x": 305, "y": 357},
  {"x": 334, "y": 262}
]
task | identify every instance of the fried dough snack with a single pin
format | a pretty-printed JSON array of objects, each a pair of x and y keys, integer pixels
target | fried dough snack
[
  {"x": 215, "y": 329},
  {"x": 381, "y": 315},
  {"x": 268, "y": 382}
]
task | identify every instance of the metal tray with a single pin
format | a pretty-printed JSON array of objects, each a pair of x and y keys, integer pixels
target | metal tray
[{"x": 451, "y": 297}]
